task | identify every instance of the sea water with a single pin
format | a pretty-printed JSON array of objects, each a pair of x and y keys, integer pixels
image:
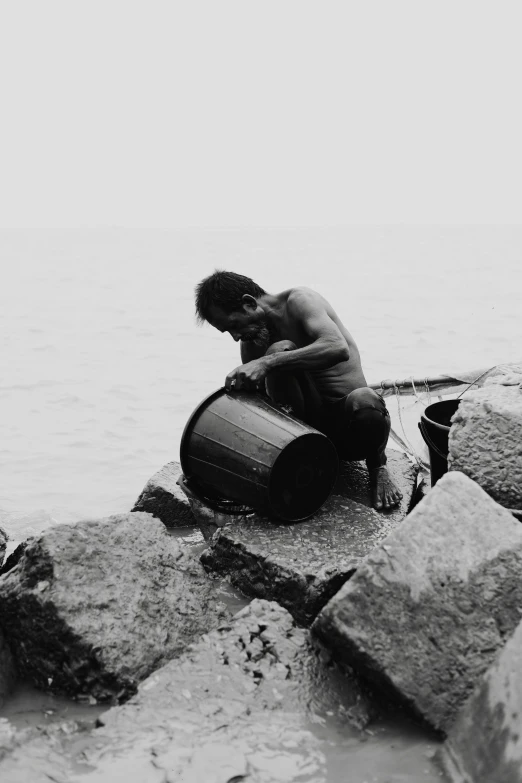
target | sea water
[{"x": 103, "y": 361}]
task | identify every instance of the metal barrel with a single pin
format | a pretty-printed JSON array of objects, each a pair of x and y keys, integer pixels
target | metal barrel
[{"x": 244, "y": 448}]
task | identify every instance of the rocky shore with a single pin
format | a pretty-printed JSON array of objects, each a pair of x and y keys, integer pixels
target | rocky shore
[
  {"x": 302, "y": 566},
  {"x": 351, "y": 610},
  {"x": 95, "y": 607}
]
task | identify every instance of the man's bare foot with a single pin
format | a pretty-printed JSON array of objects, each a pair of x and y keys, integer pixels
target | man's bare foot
[{"x": 385, "y": 493}]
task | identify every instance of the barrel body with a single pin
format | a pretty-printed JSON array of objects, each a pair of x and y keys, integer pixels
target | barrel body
[
  {"x": 435, "y": 425},
  {"x": 243, "y": 447}
]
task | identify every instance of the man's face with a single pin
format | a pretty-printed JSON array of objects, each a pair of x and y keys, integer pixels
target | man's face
[{"x": 247, "y": 324}]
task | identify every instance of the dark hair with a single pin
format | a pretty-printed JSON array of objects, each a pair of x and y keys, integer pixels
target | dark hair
[{"x": 225, "y": 290}]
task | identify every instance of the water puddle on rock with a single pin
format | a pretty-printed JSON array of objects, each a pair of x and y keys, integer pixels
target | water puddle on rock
[
  {"x": 392, "y": 749},
  {"x": 28, "y": 707}
]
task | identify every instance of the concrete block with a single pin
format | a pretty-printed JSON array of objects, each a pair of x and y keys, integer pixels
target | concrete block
[
  {"x": 302, "y": 565},
  {"x": 163, "y": 498},
  {"x": 428, "y": 610},
  {"x": 485, "y": 442},
  {"x": 485, "y": 743},
  {"x": 94, "y": 607}
]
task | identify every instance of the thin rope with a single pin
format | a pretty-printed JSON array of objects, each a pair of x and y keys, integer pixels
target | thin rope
[
  {"x": 427, "y": 387},
  {"x": 412, "y": 450},
  {"x": 418, "y": 399},
  {"x": 476, "y": 379}
]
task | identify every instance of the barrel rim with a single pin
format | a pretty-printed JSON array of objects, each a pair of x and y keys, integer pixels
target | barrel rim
[{"x": 437, "y": 424}]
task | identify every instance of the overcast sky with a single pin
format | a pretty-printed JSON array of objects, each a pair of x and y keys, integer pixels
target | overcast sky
[{"x": 247, "y": 113}]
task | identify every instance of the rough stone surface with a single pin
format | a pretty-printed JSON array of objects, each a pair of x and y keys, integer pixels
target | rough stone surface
[
  {"x": 94, "y": 607},
  {"x": 3, "y": 544},
  {"x": 7, "y": 669},
  {"x": 10, "y": 739},
  {"x": 41, "y": 755},
  {"x": 485, "y": 442},
  {"x": 485, "y": 743},
  {"x": 302, "y": 565},
  {"x": 237, "y": 705},
  {"x": 173, "y": 748},
  {"x": 426, "y": 613},
  {"x": 163, "y": 498},
  {"x": 260, "y": 660},
  {"x": 209, "y": 520}
]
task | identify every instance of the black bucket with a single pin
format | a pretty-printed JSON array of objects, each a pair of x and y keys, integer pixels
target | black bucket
[
  {"x": 435, "y": 425},
  {"x": 244, "y": 448}
]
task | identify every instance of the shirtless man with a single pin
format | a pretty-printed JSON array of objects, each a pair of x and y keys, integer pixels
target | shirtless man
[{"x": 295, "y": 348}]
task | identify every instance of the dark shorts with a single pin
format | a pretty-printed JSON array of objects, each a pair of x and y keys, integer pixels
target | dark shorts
[{"x": 358, "y": 424}]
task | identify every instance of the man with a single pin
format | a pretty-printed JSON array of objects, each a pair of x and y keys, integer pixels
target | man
[{"x": 295, "y": 348}]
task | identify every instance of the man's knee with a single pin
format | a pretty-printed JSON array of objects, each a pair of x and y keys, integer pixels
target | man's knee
[
  {"x": 369, "y": 427},
  {"x": 280, "y": 346},
  {"x": 365, "y": 399}
]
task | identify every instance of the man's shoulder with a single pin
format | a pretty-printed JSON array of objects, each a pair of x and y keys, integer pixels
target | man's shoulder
[{"x": 302, "y": 296}]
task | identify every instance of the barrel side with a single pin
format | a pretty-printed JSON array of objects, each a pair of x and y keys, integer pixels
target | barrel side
[{"x": 232, "y": 442}]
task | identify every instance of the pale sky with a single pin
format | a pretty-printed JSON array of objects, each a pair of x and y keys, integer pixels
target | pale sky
[{"x": 227, "y": 113}]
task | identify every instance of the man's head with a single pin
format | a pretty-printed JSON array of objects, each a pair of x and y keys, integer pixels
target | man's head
[{"x": 229, "y": 302}]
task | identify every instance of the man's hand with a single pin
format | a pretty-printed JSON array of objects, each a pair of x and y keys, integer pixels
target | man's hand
[{"x": 249, "y": 377}]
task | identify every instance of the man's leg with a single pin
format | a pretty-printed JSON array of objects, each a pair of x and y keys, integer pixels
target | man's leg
[
  {"x": 295, "y": 389},
  {"x": 361, "y": 430}
]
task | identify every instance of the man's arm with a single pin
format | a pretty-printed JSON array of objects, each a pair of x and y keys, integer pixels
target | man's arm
[{"x": 327, "y": 345}]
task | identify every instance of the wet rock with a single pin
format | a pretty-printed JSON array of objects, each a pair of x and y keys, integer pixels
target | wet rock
[
  {"x": 429, "y": 609},
  {"x": 302, "y": 565},
  {"x": 207, "y": 519},
  {"x": 94, "y": 607},
  {"x": 423, "y": 487},
  {"x": 3, "y": 545},
  {"x": 354, "y": 482},
  {"x": 7, "y": 669},
  {"x": 260, "y": 660},
  {"x": 261, "y": 748},
  {"x": 163, "y": 498},
  {"x": 485, "y": 743},
  {"x": 10, "y": 739},
  {"x": 40, "y": 755},
  {"x": 485, "y": 442},
  {"x": 237, "y": 704}
]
